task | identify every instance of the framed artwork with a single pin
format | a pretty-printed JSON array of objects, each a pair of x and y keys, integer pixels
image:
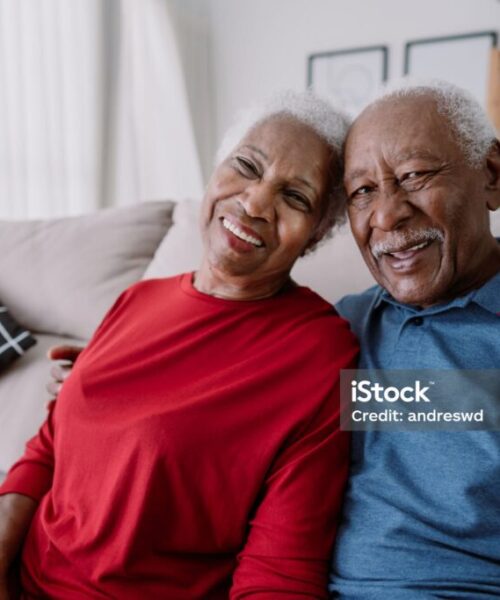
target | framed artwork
[
  {"x": 461, "y": 59},
  {"x": 348, "y": 76}
]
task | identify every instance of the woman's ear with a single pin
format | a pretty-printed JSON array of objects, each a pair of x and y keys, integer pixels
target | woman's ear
[{"x": 493, "y": 176}]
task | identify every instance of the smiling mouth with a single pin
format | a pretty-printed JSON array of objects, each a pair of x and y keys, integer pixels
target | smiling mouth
[
  {"x": 242, "y": 235},
  {"x": 408, "y": 252}
]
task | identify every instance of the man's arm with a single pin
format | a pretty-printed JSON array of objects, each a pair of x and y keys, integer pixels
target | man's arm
[{"x": 61, "y": 371}]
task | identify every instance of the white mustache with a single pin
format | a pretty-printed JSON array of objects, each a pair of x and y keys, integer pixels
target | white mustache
[{"x": 402, "y": 240}]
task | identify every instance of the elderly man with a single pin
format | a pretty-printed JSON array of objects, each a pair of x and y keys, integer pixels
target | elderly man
[{"x": 422, "y": 511}]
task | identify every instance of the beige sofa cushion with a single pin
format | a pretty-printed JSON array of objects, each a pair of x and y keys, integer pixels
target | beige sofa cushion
[
  {"x": 23, "y": 398},
  {"x": 60, "y": 276},
  {"x": 181, "y": 250}
]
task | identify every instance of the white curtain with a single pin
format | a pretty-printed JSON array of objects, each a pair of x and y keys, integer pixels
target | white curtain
[
  {"x": 93, "y": 107},
  {"x": 154, "y": 153}
]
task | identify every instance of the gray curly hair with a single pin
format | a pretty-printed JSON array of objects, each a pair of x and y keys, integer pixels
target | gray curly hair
[
  {"x": 329, "y": 122},
  {"x": 473, "y": 130}
]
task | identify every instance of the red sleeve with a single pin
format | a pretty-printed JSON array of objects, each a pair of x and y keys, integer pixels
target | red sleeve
[
  {"x": 291, "y": 534},
  {"x": 32, "y": 474}
]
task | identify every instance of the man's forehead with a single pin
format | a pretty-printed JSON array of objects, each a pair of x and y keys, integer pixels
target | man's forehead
[
  {"x": 387, "y": 114},
  {"x": 356, "y": 165},
  {"x": 406, "y": 128}
]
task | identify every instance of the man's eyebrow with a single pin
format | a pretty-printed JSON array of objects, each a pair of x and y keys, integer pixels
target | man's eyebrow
[
  {"x": 354, "y": 174},
  {"x": 400, "y": 157},
  {"x": 415, "y": 153}
]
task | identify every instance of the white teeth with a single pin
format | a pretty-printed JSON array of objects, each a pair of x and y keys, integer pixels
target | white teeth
[
  {"x": 418, "y": 246},
  {"x": 241, "y": 234},
  {"x": 412, "y": 249}
]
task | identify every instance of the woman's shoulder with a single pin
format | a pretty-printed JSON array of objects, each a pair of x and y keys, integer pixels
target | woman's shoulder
[
  {"x": 318, "y": 327},
  {"x": 148, "y": 288}
]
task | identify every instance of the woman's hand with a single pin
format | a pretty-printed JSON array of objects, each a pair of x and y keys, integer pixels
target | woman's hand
[
  {"x": 61, "y": 371},
  {"x": 4, "y": 593}
]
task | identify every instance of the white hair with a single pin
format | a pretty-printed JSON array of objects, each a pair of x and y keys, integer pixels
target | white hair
[
  {"x": 328, "y": 121},
  {"x": 320, "y": 115},
  {"x": 473, "y": 130}
]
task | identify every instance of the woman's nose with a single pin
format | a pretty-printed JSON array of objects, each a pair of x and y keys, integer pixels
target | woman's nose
[{"x": 258, "y": 201}]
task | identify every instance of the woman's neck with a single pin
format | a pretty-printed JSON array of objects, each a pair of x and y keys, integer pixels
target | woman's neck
[{"x": 208, "y": 280}]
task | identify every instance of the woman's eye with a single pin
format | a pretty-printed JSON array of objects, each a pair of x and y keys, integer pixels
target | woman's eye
[
  {"x": 246, "y": 167},
  {"x": 297, "y": 200}
]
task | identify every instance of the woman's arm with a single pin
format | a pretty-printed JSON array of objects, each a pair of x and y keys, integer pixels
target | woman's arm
[
  {"x": 16, "y": 513},
  {"x": 291, "y": 533},
  {"x": 25, "y": 485}
]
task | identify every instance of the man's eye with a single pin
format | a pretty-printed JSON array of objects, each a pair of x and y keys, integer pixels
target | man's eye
[
  {"x": 412, "y": 175},
  {"x": 414, "y": 180},
  {"x": 246, "y": 166},
  {"x": 361, "y": 191},
  {"x": 360, "y": 198}
]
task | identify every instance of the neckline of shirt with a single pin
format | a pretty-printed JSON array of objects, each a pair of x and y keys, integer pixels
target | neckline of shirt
[
  {"x": 186, "y": 284},
  {"x": 487, "y": 296}
]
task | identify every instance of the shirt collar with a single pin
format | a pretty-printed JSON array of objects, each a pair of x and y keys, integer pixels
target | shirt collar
[{"x": 487, "y": 296}]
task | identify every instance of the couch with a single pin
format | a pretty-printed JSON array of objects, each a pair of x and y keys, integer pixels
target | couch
[{"x": 58, "y": 277}]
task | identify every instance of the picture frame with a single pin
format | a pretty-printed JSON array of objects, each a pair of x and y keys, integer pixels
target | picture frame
[
  {"x": 462, "y": 59},
  {"x": 349, "y": 76}
]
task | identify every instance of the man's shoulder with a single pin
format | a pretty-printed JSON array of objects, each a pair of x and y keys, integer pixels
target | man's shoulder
[{"x": 355, "y": 306}]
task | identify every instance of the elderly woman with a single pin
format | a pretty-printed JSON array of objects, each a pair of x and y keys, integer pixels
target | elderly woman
[{"x": 195, "y": 451}]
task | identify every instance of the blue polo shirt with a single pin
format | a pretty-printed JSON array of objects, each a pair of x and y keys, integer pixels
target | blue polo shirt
[{"x": 422, "y": 509}]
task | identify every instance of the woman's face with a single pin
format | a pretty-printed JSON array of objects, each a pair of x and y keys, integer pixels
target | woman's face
[{"x": 264, "y": 202}]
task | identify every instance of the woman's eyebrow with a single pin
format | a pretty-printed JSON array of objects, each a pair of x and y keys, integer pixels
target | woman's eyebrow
[
  {"x": 265, "y": 157},
  {"x": 257, "y": 150},
  {"x": 306, "y": 183}
]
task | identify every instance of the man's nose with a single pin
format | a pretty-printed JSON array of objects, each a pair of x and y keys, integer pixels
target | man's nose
[
  {"x": 391, "y": 208},
  {"x": 258, "y": 201}
]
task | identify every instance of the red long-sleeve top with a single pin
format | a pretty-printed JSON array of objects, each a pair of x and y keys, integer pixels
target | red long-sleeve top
[{"x": 194, "y": 452}]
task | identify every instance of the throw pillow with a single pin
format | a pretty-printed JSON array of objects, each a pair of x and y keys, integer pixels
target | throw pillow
[{"x": 14, "y": 339}]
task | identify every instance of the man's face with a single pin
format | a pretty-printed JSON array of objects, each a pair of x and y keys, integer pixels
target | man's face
[
  {"x": 418, "y": 211},
  {"x": 263, "y": 203}
]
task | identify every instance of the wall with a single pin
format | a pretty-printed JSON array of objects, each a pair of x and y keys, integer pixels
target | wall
[
  {"x": 257, "y": 46},
  {"x": 261, "y": 45}
]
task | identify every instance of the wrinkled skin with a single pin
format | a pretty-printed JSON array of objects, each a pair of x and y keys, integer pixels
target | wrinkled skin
[{"x": 413, "y": 194}]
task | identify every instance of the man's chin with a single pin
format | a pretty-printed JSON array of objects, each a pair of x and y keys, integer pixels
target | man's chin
[{"x": 410, "y": 290}]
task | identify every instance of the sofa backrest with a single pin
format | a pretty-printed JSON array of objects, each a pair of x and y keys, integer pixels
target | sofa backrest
[{"x": 60, "y": 276}]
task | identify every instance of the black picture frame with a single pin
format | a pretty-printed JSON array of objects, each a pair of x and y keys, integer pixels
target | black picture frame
[
  {"x": 459, "y": 58},
  {"x": 349, "y": 75}
]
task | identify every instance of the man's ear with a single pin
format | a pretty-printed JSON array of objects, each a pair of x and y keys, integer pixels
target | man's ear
[{"x": 493, "y": 176}]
